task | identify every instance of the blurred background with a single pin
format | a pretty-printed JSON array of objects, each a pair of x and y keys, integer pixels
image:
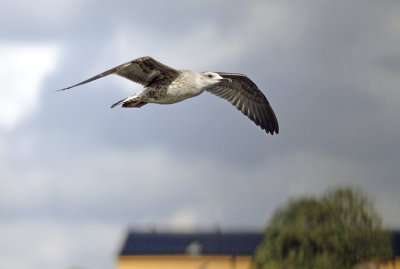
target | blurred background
[{"x": 75, "y": 175}]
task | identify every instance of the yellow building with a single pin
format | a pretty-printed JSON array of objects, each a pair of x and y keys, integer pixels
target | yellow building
[{"x": 188, "y": 251}]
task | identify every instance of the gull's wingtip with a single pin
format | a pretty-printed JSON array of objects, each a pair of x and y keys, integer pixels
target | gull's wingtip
[
  {"x": 114, "y": 105},
  {"x": 272, "y": 132},
  {"x": 67, "y": 88}
]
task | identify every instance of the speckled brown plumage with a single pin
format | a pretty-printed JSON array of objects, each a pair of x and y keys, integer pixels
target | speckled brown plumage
[
  {"x": 144, "y": 70},
  {"x": 247, "y": 98}
]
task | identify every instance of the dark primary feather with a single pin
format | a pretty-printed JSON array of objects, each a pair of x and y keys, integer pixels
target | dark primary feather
[
  {"x": 144, "y": 70},
  {"x": 246, "y": 97}
]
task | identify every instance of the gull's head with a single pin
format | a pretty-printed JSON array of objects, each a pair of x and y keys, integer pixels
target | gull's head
[{"x": 211, "y": 78}]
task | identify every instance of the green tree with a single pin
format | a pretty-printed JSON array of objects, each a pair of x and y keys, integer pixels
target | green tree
[{"x": 335, "y": 231}]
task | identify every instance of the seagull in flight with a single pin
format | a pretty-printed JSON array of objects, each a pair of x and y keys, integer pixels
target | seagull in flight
[{"x": 166, "y": 85}]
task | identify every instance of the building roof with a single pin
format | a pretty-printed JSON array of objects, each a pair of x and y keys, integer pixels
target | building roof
[
  {"x": 235, "y": 244},
  {"x": 138, "y": 243}
]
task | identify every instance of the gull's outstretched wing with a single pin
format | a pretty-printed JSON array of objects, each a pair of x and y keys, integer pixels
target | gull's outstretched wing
[
  {"x": 246, "y": 97},
  {"x": 144, "y": 70}
]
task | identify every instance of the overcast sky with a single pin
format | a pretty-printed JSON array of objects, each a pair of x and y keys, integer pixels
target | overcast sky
[{"x": 75, "y": 175}]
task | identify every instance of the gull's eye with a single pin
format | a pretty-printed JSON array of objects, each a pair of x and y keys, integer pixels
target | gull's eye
[{"x": 210, "y": 76}]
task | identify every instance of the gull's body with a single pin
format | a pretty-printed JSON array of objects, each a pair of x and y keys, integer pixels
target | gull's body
[
  {"x": 185, "y": 85},
  {"x": 166, "y": 85}
]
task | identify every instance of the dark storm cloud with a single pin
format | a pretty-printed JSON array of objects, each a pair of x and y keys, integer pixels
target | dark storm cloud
[{"x": 314, "y": 82}]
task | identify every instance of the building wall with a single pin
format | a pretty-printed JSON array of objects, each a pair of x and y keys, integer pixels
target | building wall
[
  {"x": 391, "y": 265},
  {"x": 212, "y": 262},
  {"x": 395, "y": 264},
  {"x": 183, "y": 262}
]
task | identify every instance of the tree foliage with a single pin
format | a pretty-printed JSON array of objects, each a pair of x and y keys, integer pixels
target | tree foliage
[{"x": 338, "y": 230}]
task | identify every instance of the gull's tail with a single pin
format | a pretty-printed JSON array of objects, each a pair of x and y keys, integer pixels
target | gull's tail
[{"x": 133, "y": 101}]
